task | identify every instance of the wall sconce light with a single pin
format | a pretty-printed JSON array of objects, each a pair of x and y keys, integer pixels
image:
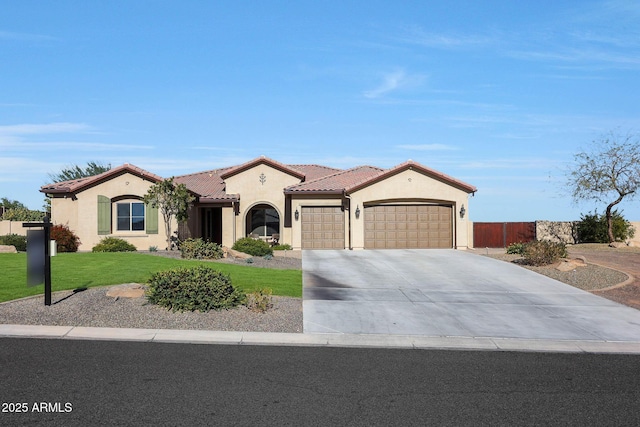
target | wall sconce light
[
  {"x": 462, "y": 211},
  {"x": 296, "y": 214},
  {"x": 357, "y": 211}
]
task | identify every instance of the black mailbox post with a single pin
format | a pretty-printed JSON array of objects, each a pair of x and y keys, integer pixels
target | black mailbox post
[{"x": 38, "y": 256}]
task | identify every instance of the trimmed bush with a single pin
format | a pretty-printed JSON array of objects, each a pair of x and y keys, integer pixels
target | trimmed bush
[
  {"x": 113, "y": 244},
  {"x": 259, "y": 301},
  {"x": 66, "y": 239},
  {"x": 199, "y": 249},
  {"x": 255, "y": 247},
  {"x": 19, "y": 242},
  {"x": 283, "y": 247},
  {"x": 515, "y": 249},
  {"x": 593, "y": 228},
  {"x": 197, "y": 288},
  {"x": 543, "y": 252}
]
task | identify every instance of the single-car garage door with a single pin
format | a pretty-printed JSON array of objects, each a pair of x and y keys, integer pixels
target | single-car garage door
[
  {"x": 322, "y": 227},
  {"x": 408, "y": 227}
]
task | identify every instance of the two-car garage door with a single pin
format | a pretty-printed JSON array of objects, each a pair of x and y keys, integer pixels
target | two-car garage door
[
  {"x": 408, "y": 227},
  {"x": 385, "y": 227}
]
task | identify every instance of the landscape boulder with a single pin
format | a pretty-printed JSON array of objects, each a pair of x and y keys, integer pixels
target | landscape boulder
[
  {"x": 128, "y": 290},
  {"x": 8, "y": 249}
]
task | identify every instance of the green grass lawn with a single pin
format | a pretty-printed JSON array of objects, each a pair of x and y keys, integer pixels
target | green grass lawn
[{"x": 86, "y": 269}]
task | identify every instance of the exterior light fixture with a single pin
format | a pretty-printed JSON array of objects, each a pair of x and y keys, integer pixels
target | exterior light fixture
[
  {"x": 357, "y": 211},
  {"x": 462, "y": 211},
  {"x": 296, "y": 214}
]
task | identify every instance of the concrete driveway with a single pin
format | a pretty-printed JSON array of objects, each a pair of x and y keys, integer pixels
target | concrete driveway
[{"x": 451, "y": 293}]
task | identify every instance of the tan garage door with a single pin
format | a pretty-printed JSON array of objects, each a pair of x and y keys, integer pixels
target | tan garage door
[
  {"x": 322, "y": 228},
  {"x": 408, "y": 227}
]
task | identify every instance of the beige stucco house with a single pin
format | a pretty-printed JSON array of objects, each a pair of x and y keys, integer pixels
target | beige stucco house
[{"x": 306, "y": 206}]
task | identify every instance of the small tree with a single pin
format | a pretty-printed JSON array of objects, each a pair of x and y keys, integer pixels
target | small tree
[
  {"x": 171, "y": 200},
  {"x": 607, "y": 172}
]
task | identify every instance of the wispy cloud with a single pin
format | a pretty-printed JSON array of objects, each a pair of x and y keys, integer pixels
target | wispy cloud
[
  {"x": 418, "y": 36},
  {"x": 10, "y": 35},
  {"x": 427, "y": 147},
  {"x": 31, "y": 128},
  {"x": 394, "y": 81}
]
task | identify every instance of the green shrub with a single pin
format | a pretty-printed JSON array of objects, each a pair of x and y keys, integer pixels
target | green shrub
[
  {"x": 20, "y": 242},
  {"x": 113, "y": 244},
  {"x": 593, "y": 228},
  {"x": 282, "y": 247},
  {"x": 66, "y": 239},
  {"x": 153, "y": 249},
  {"x": 543, "y": 252},
  {"x": 199, "y": 249},
  {"x": 259, "y": 300},
  {"x": 255, "y": 247},
  {"x": 515, "y": 248},
  {"x": 197, "y": 288}
]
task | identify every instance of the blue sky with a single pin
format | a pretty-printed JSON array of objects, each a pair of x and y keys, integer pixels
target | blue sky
[{"x": 500, "y": 94}]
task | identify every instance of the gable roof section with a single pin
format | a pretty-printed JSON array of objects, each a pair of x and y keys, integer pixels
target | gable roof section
[
  {"x": 335, "y": 183},
  {"x": 313, "y": 172},
  {"x": 77, "y": 185},
  {"x": 263, "y": 160},
  {"x": 208, "y": 185},
  {"x": 411, "y": 165}
]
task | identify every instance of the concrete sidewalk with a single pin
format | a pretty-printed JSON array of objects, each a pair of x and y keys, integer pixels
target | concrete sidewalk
[{"x": 317, "y": 340}]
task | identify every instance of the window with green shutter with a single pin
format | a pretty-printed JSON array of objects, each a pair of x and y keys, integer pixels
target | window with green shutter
[{"x": 104, "y": 215}]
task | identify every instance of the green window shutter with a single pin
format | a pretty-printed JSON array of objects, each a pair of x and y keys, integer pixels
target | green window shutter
[
  {"x": 151, "y": 219},
  {"x": 104, "y": 215}
]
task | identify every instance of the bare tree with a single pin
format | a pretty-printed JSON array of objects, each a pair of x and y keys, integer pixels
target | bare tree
[{"x": 608, "y": 172}]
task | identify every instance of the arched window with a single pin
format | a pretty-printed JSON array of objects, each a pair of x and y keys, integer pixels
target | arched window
[{"x": 263, "y": 220}]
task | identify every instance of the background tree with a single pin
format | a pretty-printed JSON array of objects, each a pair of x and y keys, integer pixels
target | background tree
[
  {"x": 12, "y": 210},
  {"x": 608, "y": 172},
  {"x": 171, "y": 200},
  {"x": 76, "y": 172}
]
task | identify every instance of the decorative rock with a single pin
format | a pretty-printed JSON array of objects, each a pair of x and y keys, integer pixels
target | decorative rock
[
  {"x": 128, "y": 290},
  {"x": 570, "y": 264},
  {"x": 617, "y": 244},
  {"x": 8, "y": 249},
  {"x": 238, "y": 254}
]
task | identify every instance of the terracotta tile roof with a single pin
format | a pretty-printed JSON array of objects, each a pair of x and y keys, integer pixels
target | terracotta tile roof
[
  {"x": 410, "y": 164},
  {"x": 208, "y": 185},
  {"x": 312, "y": 172},
  {"x": 262, "y": 160},
  {"x": 336, "y": 182},
  {"x": 75, "y": 185}
]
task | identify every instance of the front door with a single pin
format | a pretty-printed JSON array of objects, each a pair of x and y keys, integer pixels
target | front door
[{"x": 212, "y": 225}]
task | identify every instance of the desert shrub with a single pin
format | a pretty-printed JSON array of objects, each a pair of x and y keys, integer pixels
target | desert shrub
[
  {"x": 282, "y": 247},
  {"x": 197, "y": 288},
  {"x": 515, "y": 248},
  {"x": 253, "y": 247},
  {"x": 592, "y": 228},
  {"x": 199, "y": 249},
  {"x": 20, "y": 242},
  {"x": 113, "y": 244},
  {"x": 66, "y": 239},
  {"x": 543, "y": 252},
  {"x": 259, "y": 300}
]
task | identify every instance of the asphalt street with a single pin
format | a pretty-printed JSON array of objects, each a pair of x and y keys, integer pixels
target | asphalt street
[{"x": 76, "y": 382}]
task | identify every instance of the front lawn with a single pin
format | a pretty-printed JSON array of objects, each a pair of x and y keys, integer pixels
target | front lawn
[{"x": 87, "y": 269}]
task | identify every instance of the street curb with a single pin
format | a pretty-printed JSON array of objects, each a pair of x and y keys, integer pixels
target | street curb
[{"x": 318, "y": 340}]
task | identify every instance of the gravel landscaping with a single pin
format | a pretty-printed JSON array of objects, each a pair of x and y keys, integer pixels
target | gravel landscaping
[{"x": 92, "y": 307}]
